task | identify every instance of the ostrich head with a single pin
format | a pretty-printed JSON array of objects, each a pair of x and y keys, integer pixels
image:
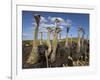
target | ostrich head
[
  {"x": 80, "y": 29},
  {"x": 68, "y": 24},
  {"x": 58, "y": 29},
  {"x": 49, "y": 29},
  {"x": 37, "y": 19},
  {"x": 57, "y": 22}
]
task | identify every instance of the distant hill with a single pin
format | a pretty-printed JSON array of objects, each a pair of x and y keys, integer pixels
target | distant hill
[{"x": 61, "y": 41}]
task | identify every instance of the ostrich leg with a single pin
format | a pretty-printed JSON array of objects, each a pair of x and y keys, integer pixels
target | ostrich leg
[
  {"x": 78, "y": 45},
  {"x": 33, "y": 57}
]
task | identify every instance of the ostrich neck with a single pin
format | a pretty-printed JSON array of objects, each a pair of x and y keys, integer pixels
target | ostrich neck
[
  {"x": 48, "y": 39},
  {"x": 41, "y": 35},
  {"x": 35, "y": 36},
  {"x": 55, "y": 40},
  {"x": 66, "y": 43},
  {"x": 78, "y": 35}
]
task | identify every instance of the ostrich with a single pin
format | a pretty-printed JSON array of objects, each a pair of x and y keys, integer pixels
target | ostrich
[
  {"x": 87, "y": 50},
  {"x": 33, "y": 57},
  {"x": 63, "y": 59},
  {"x": 78, "y": 54},
  {"x": 79, "y": 39},
  {"x": 68, "y": 26},
  {"x": 47, "y": 52},
  {"x": 84, "y": 47},
  {"x": 55, "y": 40},
  {"x": 83, "y": 33},
  {"x": 83, "y": 50},
  {"x": 54, "y": 44}
]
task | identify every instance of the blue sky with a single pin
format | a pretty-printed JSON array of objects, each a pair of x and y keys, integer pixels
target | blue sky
[{"x": 47, "y": 19}]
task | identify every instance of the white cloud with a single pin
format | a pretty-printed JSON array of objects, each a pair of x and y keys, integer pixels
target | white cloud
[
  {"x": 34, "y": 24},
  {"x": 49, "y": 17},
  {"x": 49, "y": 25},
  {"x": 61, "y": 27},
  {"x": 43, "y": 24},
  {"x": 43, "y": 27},
  {"x": 26, "y": 34},
  {"x": 52, "y": 19},
  {"x": 68, "y": 22},
  {"x": 43, "y": 19},
  {"x": 42, "y": 30}
]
